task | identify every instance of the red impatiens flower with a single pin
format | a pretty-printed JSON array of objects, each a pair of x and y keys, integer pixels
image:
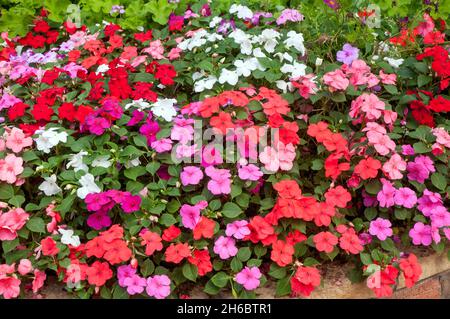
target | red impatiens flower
[
  {"x": 295, "y": 237},
  {"x": 143, "y": 36},
  {"x": 17, "y": 110},
  {"x": 98, "y": 273},
  {"x": 411, "y": 270},
  {"x": 204, "y": 228},
  {"x": 171, "y": 233},
  {"x": 82, "y": 112},
  {"x": 261, "y": 230},
  {"x": 319, "y": 131},
  {"x": 117, "y": 252},
  {"x": 282, "y": 253},
  {"x": 49, "y": 247},
  {"x": 332, "y": 166},
  {"x": 42, "y": 112},
  {"x": 323, "y": 217},
  {"x": 165, "y": 73},
  {"x": 439, "y": 104},
  {"x": 350, "y": 242},
  {"x": 67, "y": 111},
  {"x": 381, "y": 281},
  {"x": 202, "y": 260},
  {"x": 175, "y": 253},
  {"x": 152, "y": 242},
  {"x": 305, "y": 280},
  {"x": 367, "y": 168},
  {"x": 338, "y": 196},
  {"x": 325, "y": 241}
]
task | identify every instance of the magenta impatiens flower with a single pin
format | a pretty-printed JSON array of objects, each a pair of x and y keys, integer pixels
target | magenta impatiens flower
[
  {"x": 429, "y": 202},
  {"x": 124, "y": 272},
  {"x": 381, "y": 228},
  {"x": 191, "y": 175},
  {"x": 420, "y": 169},
  {"x": 225, "y": 247},
  {"x": 421, "y": 234},
  {"x": 158, "y": 286},
  {"x": 131, "y": 203},
  {"x": 249, "y": 277},
  {"x": 405, "y": 197}
]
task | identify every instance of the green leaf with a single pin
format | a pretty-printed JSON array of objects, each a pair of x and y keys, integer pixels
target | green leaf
[
  {"x": 36, "y": 225},
  {"x": 6, "y": 191},
  {"x": 439, "y": 180},
  {"x": 134, "y": 172},
  {"x": 66, "y": 204},
  {"x": 244, "y": 254},
  {"x": 365, "y": 258},
  {"x": 167, "y": 220},
  {"x": 423, "y": 80},
  {"x": 370, "y": 213},
  {"x": 190, "y": 271},
  {"x": 283, "y": 287},
  {"x": 152, "y": 167},
  {"x": 421, "y": 148},
  {"x": 9, "y": 245},
  {"x": 220, "y": 279},
  {"x": 231, "y": 210},
  {"x": 147, "y": 267},
  {"x": 17, "y": 200},
  {"x": 120, "y": 293},
  {"x": 277, "y": 272},
  {"x": 388, "y": 245}
]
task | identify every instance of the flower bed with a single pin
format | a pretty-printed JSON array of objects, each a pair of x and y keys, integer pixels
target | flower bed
[{"x": 221, "y": 151}]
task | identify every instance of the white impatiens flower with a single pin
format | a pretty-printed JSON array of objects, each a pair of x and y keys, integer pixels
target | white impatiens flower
[
  {"x": 295, "y": 70},
  {"x": 68, "y": 238},
  {"x": 49, "y": 186},
  {"x": 247, "y": 66},
  {"x": 284, "y": 86},
  {"x": 295, "y": 40},
  {"x": 242, "y": 12},
  {"x": 102, "y": 68},
  {"x": 269, "y": 38},
  {"x": 284, "y": 56},
  {"x": 139, "y": 104},
  {"x": 87, "y": 186},
  {"x": 202, "y": 83},
  {"x": 133, "y": 163},
  {"x": 243, "y": 39},
  {"x": 47, "y": 139},
  {"x": 395, "y": 63},
  {"x": 165, "y": 108},
  {"x": 214, "y": 22},
  {"x": 230, "y": 77},
  {"x": 76, "y": 161},
  {"x": 101, "y": 161}
]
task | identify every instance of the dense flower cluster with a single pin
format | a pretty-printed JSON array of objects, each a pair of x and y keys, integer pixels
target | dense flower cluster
[{"x": 116, "y": 172}]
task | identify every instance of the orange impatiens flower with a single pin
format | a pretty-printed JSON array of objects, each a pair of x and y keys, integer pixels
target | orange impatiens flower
[
  {"x": 204, "y": 228},
  {"x": 367, "y": 168},
  {"x": 288, "y": 189},
  {"x": 282, "y": 253},
  {"x": 338, "y": 196},
  {"x": 209, "y": 106},
  {"x": 175, "y": 253},
  {"x": 222, "y": 122},
  {"x": 98, "y": 273},
  {"x": 152, "y": 242},
  {"x": 235, "y": 98}
]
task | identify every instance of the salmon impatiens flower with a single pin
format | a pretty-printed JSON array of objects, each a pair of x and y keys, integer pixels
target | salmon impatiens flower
[
  {"x": 10, "y": 167},
  {"x": 16, "y": 140}
]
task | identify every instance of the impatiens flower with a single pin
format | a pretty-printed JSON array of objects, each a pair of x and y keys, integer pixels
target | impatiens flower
[
  {"x": 38, "y": 280},
  {"x": 411, "y": 270},
  {"x": 88, "y": 185},
  {"x": 405, "y": 197},
  {"x": 204, "y": 228},
  {"x": 49, "y": 186},
  {"x": 124, "y": 272},
  {"x": 9, "y": 286},
  {"x": 162, "y": 145},
  {"x": 225, "y": 247},
  {"x": 429, "y": 202},
  {"x": 164, "y": 108},
  {"x": 17, "y": 141},
  {"x": 338, "y": 196},
  {"x": 249, "y": 172},
  {"x": 351, "y": 243},
  {"x": 420, "y": 169},
  {"x": 11, "y": 222},
  {"x": 289, "y": 15},
  {"x": 282, "y": 253},
  {"x": 10, "y": 167},
  {"x": 325, "y": 241},
  {"x": 47, "y": 139},
  {"x": 220, "y": 182},
  {"x": 135, "y": 284},
  {"x": 202, "y": 260},
  {"x": 336, "y": 80},
  {"x": 68, "y": 238},
  {"x": 305, "y": 280},
  {"x": 394, "y": 166},
  {"x": 191, "y": 175},
  {"x": 386, "y": 195},
  {"x": 98, "y": 273},
  {"x": 367, "y": 168},
  {"x": 171, "y": 233},
  {"x": 49, "y": 247},
  {"x": 348, "y": 54},
  {"x": 152, "y": 242},
  {"x": 158, "y": 286},
  {"x": 381, "y": 228},
  {"x": 190, "y": 215},
  {"x": 249, "y": 277},
  {"x": 24, "y": 267},
  {"x": 237, "y": 229},
  {"x": 175, "y": 253},
  {"x": 421, "y": 234},
  {"x": 131, "y": 203}
]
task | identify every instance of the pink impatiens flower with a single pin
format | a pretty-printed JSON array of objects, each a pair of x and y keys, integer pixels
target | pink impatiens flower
[
  {"x": 249, "y": 172},
  {"x": 220, "y": 182},
  {"x": 17, "y": 141},
  {"x": 393, "y": 167},
  {"x": 249, "y": 277},
  {"x": 405, "y": 197},
  {"x": 238, "y": 229},
  {"x": 11, "y": 222},
  {"x": 421, "y": 234},
  {"x": 225, "y": 247},
  {"x": 135, "y": 284},
  {"x": 381, "y": 228},
  {"x": 158, "y": 286},
  {"x": 10, "y": 167},
  {"x": 386, "y": 195},
  {"x": 191, "y": 175},
  {"x": 190, "y": 215}
]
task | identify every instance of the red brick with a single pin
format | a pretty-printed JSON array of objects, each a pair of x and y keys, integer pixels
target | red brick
[{"x": 427, "y": 289}]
